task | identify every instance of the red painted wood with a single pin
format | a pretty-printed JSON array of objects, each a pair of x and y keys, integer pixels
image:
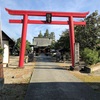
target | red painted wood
[
  {"x": 44, "y": 22},
  {"x": 23, "y": 41},
  {"x": 43, "y": 13},
  {"x": 72, "y": 39},
  {"x": 26, "y": 21}
]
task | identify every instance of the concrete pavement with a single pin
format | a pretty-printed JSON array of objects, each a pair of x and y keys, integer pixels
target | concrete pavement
[{"x": 51, "y": 82}]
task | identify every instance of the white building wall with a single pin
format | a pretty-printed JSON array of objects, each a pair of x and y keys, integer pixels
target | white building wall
[{"x": 6, "y": 53}]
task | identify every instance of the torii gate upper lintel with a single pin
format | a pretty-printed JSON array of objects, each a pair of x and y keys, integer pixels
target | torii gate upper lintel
[{"x": 25, "y": 21}]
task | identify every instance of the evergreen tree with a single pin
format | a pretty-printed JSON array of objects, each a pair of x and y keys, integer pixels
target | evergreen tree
[
  {"x": 88, "y": 36},
  {"x": 52, "y": 35},
  {"x": 46, "y": 34},
  {"x": 40, "y": 35},
  {"x": 63, "y": 42},
  {"x": 18, "y": 44}
]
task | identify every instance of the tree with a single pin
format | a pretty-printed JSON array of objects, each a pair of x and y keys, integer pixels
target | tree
[
  {"x": 28, "y": 48},
  {"x": 46, "y": 34},
  {"x": 90, "y": 56},
  {"x": 17, "y": 46},
  {"x": 52, "y": 35},
  {"x": 52, "y": 46},
  {"x": 88, "y": 35},
  {"x": 63, "y": 42},
  {"x": 40, "y": 35}
]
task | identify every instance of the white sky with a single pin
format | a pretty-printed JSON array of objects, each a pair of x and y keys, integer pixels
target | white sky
[{"x": 15, "y": 30}]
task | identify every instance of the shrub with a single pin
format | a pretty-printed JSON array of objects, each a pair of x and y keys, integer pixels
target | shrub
[
  {"x": 1, "y": 54},
  {"x": 90, "y": 56},
  {"x": 1, "y": 51},
  {"x": 99, "y": 54}
]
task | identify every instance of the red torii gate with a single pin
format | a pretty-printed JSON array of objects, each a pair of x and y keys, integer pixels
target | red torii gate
[{"x": 25, "y": 21}]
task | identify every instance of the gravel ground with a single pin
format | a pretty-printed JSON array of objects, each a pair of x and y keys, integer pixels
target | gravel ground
[{"x": 16, "y": 82}]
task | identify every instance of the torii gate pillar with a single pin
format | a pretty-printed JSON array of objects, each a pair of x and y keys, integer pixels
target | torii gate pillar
[
  {"x": 23, "y": 41},
  {"x": 72, "y": 38}
]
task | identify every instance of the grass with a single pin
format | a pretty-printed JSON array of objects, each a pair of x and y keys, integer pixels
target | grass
[
  {"x": 86, "y": 77},
  {"x": 91, "y": 79}
]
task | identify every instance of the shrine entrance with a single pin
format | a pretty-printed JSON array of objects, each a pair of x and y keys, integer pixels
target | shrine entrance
[{"x": 25, "y": 21}]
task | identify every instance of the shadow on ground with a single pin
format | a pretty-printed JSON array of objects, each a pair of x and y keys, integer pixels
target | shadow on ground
[
  {"x": 62, "y": 91},
  {"x": 51, "y": 91},
  {"x": 59, "y": 68},
  {"x": 13, "y": 92}
]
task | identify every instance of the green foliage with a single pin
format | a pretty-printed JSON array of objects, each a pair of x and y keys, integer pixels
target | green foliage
[
  {"x": 63, "y": 42},
  {"x": 18, "y": 43},
  {"x": 52, "y": 46},
  {"x": 1, "y": 51},
  {"x": 99, "y": 55},
  {"x": 46, "y": 34},
  {"x": 28, "y": 48},
  {"x": 1, "y": 54},
  {"x": 88, "y": 38},
  {"x": 52, "y": 35},
  {"x": 40, "y": 35},
  {"x": 17, "y": 46},
  {"x": 90, "y": 56},
  {"x": 88, "y": 35}
]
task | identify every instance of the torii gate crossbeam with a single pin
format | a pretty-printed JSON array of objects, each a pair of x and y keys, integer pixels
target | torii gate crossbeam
[{"x": 25, "y": 21}]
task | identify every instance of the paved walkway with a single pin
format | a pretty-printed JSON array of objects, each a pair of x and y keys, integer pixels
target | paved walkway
[{"x": 51, "y": 82}]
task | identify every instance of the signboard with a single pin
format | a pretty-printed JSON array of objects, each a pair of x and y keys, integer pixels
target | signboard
[{"x": 76, "y": 53}]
